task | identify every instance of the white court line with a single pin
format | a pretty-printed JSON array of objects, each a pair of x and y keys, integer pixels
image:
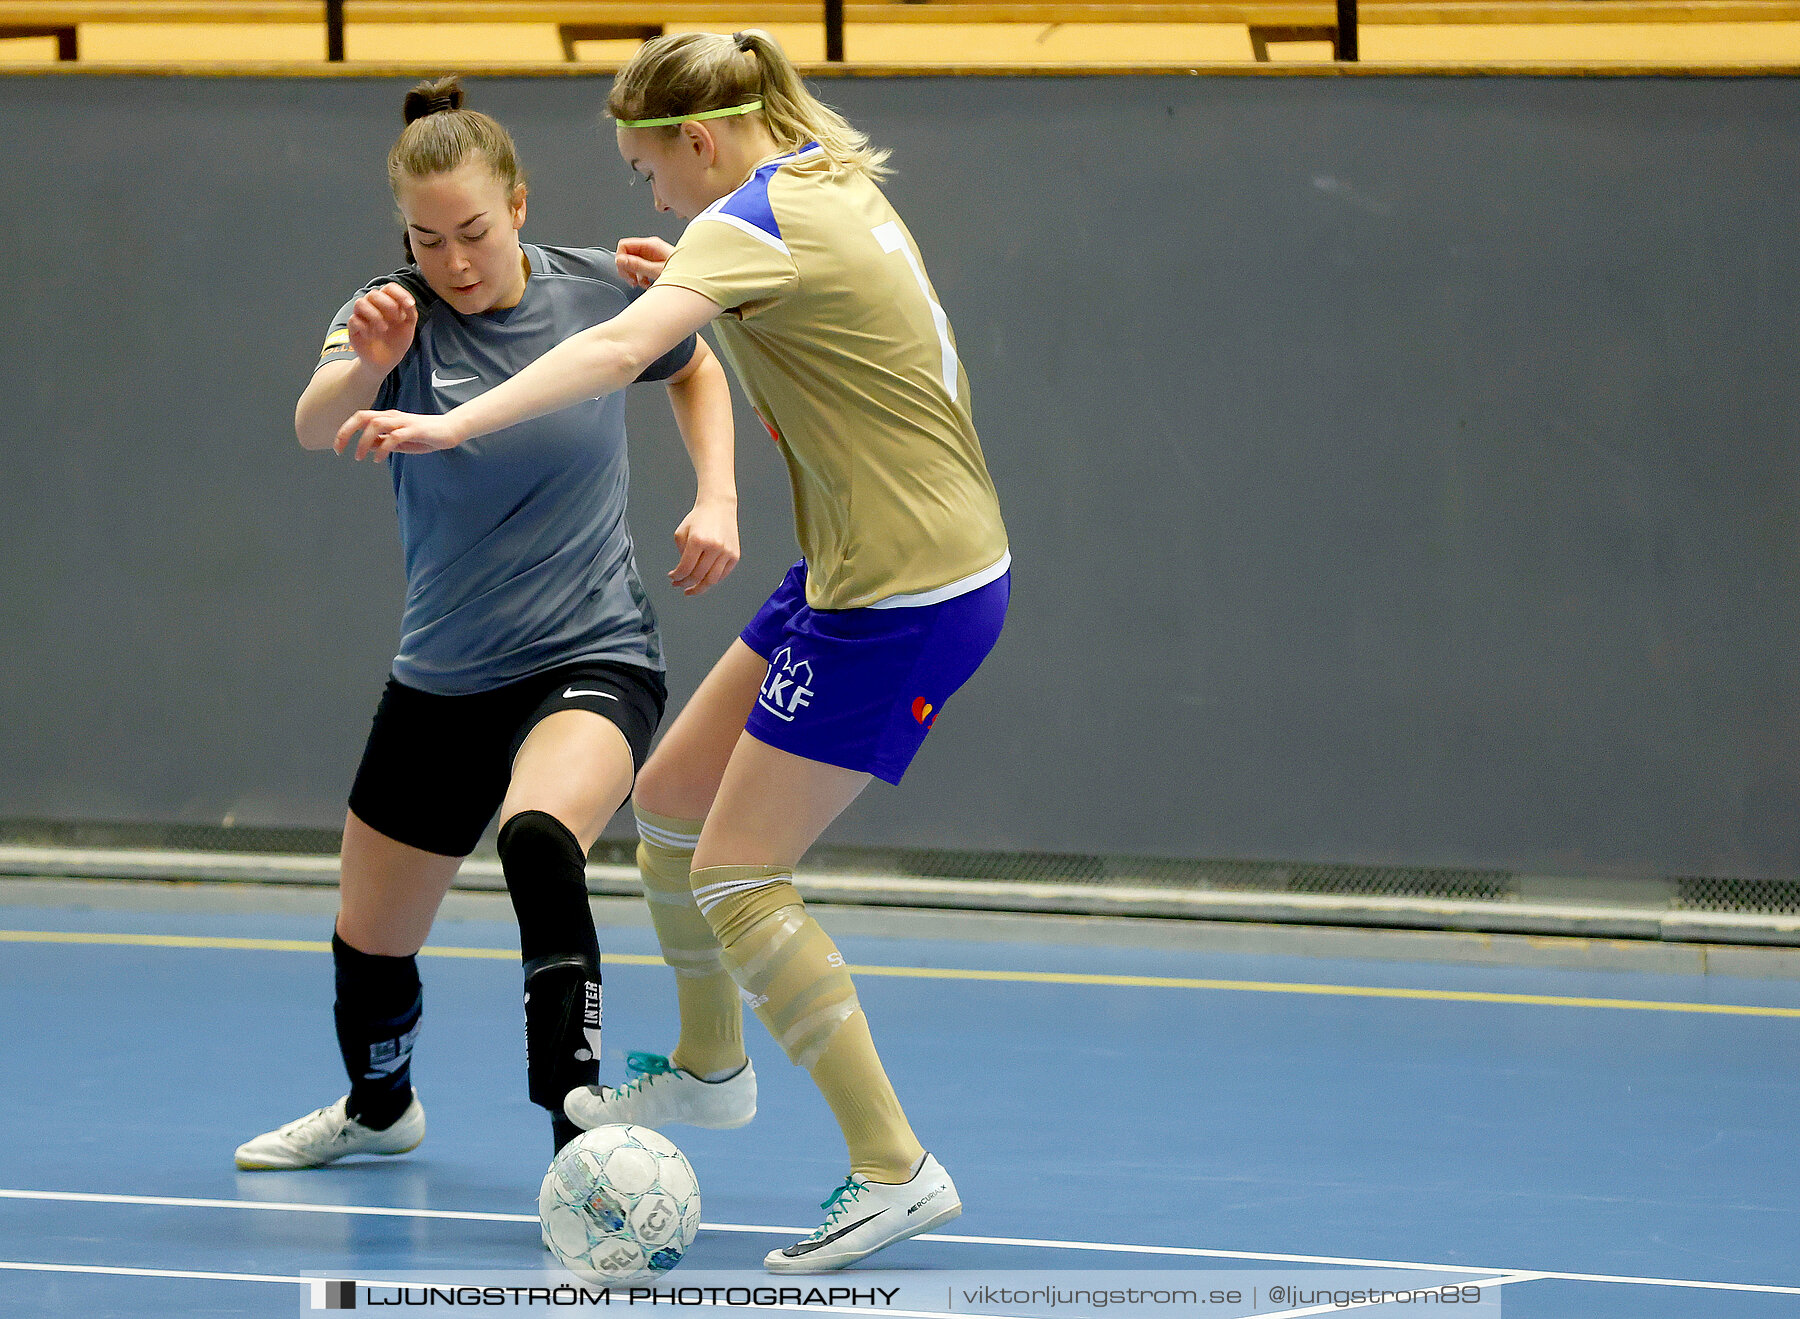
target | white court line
[
  {"x": 1198, "y": 1252},
  {"x": 116, "y": 1271},
  {"x": 299, "y": 1207},
  {"x": 1350, "y": 1262},
  {"x": 291, "y": 1207},
  {"x": 87, "y": 1197}
]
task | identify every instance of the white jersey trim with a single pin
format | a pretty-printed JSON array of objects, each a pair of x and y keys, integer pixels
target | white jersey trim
[
  {"x": 716, "y": 211},
  {"x": 961, "y": 586},
  {"x": 805, "y": 153},
  {"x": 760, "y": 235}
]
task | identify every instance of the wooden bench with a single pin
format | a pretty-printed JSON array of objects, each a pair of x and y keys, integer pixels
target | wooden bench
[{"x": 586, "y": 20}]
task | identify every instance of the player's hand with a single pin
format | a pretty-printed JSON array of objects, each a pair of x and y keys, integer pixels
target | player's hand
[
  {"x": 378, "y": 434},
  {"x": 708, "y": 541},
  {"x": 641, "y": 260},
  {"x": 381, "y": 326}
]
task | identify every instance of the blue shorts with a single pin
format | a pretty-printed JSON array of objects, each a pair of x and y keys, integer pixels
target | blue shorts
[{"x": 860, "y": 688}]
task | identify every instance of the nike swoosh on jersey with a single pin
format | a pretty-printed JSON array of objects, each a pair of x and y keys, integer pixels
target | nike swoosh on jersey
[
  {"x": 578, "y": 691},
  {"x": 438, "y": 382},
  {"x": 800, "y": 1248}
]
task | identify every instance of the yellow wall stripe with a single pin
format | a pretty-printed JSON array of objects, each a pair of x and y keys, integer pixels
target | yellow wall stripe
[{"x": 934, "y": 973}]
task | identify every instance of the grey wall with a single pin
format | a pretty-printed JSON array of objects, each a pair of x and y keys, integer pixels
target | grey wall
[{"x": 1399, "y": 470}]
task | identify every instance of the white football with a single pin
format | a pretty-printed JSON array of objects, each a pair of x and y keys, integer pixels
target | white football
[{"x": 619, "y": 1204}]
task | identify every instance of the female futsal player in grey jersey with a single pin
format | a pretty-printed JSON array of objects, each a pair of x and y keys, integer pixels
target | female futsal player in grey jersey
[{"x": 530, "y": 676}]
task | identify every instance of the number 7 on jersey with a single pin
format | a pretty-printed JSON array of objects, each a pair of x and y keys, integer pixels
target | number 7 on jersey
[{"x": 892, "y": 240}]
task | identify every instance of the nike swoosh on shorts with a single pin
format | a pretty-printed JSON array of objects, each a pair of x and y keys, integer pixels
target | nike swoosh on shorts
[
  {"x": 577, "y": 691},
  {"x": 439, "y": 383}
]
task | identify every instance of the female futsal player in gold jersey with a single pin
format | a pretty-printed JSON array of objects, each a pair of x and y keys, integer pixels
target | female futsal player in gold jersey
[{"x": 823, "y": 308}]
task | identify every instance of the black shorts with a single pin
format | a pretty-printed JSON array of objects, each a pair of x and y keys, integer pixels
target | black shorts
[{"x": 436, "y": 768}]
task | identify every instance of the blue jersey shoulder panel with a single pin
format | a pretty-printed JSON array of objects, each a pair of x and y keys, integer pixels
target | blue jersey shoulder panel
[{"x": 750, "y": 203}]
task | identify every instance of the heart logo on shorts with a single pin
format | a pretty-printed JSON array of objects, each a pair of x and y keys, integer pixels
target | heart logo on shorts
[{"x": 923, "y": 711}]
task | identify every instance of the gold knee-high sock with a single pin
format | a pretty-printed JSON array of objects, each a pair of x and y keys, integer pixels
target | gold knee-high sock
[
  {"x": 849, "y": 1074},
  {"x": 794, "y": 979},
  {"x": 712, "y": 1017}
]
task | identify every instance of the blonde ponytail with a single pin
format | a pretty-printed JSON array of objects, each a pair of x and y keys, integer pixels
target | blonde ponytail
[{"x": 690, "y": 73}]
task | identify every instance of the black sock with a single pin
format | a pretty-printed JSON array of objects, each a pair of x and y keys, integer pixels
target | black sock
[
  {"x": 546, "y": 876},
  {"x": 377, "y": 1012}
]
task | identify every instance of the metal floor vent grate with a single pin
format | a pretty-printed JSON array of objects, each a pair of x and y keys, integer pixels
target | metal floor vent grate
[
  {"x": 1142, "y": 872},
  {"x": 1066, "y": 870},
  {"x": 1762, "y": 897},
  {"x": 1060, "y": 868},
  {"x": 1405, "y": 882},
  {"x": 171, "y": 837},
  {"x": 1022, "y": 867},
  {"x": 1046, "y": 868}
]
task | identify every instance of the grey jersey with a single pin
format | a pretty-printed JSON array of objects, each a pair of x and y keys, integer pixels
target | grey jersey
[{"x": 518, "y": 558}]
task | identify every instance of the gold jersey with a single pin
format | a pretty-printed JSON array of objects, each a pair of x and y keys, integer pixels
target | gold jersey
[{"x": 837, "y": 337}]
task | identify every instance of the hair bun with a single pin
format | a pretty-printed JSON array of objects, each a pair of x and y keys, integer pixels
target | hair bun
[
  {"x": 743, "y": 41},
  {"x": 433, "y": 96}
]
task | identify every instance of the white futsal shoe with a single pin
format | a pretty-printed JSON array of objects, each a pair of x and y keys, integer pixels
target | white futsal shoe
[
  {"x": 660, "y": 1093},
  {"x": 327, "y": 1134},
  {"x": 863, "y": 1216}
]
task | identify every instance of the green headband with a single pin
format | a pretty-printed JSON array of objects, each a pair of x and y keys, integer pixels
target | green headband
[{"x": 745, "y": 108}]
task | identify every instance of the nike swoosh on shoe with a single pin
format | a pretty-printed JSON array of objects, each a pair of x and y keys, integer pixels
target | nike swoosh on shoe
[{"x": 807, "y": 1247}]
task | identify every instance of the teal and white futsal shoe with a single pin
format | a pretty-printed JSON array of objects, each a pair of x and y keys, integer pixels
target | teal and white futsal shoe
[
  {"x": 862, "y": 1216},
  {"x": 328, "y": 1134},
  {"x": 660, "y": 1094}
]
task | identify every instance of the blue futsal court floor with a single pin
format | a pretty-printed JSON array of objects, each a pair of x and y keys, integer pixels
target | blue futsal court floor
[{"x": 1605, "y": 1143}]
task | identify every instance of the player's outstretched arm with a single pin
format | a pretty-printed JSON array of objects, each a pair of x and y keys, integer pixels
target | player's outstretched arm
[
  {"x": 707, "y": 538},
  {"x": 381, "y": 329},
  {"x": 596, "y": 361}
]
